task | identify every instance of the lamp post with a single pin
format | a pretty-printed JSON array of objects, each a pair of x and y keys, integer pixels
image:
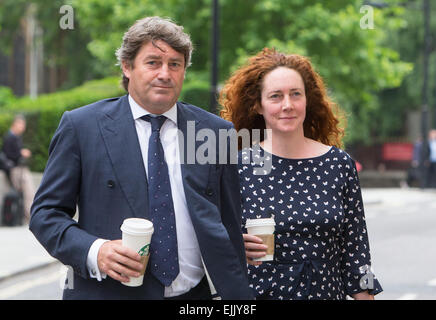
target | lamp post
[{"x": 214, "y": 54}]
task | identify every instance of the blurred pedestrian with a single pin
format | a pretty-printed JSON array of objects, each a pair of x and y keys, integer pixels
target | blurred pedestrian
[
  {"x": 431, "y": 175},
  {"x": 312, "y": 190},
  {"x": 19, "y": 175},
  {"x": 414, "y": 176}
]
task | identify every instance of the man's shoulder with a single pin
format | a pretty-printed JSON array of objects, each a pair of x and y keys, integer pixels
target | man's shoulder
[
  {"x": 95, "y": 107},
  {"x": 9, "y": 135},
  {"x": 204, "y": 115}
]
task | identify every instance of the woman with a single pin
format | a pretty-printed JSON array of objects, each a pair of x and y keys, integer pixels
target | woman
[{"x": 312, "y": 190}]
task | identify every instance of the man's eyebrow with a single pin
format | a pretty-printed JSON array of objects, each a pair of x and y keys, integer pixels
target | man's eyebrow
[
  {"x": 157, "y": 57},
  {"x": 177, "y": 59},
  {"x": 152, "y": 56}
]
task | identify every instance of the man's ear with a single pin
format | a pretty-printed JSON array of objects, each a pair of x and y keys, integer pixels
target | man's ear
[{"x": 126, "y": 68}]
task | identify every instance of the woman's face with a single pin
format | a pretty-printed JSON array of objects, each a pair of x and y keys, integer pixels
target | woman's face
[{"x": 283, "y": 101}]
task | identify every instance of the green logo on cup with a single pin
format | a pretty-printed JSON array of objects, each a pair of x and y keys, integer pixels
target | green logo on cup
[{"x": 144, "y": 250}]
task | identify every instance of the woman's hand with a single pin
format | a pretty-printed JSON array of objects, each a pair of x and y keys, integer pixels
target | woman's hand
[
  {"x": 254, "y": 248},
  {"x": 363, "y": 296}
]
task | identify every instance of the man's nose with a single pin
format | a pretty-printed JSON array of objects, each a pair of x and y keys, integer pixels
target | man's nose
[{"x": 164, "y": 73}]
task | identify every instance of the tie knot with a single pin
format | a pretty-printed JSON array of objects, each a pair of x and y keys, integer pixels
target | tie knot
[{"x": 156, "y": 122}]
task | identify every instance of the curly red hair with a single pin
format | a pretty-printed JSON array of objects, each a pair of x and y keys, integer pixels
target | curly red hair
[{"x": 241, "y": 96}]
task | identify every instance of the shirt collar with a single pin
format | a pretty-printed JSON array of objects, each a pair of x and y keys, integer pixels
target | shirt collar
[{"x": 139, "y": 112}]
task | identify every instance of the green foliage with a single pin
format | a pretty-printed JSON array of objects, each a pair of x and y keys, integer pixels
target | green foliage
[
  {"x": 10, "y": 14},
  {"x": 6, "y": 96},
  {"x": 107, "y": 20},
  {"x": 62, "y": 48},
  {"x": 358, "y": 65},
  {"x": 409, "y": 43},
  {"x": 43, "y": 114},
  {"x": 196, "y": 89},
  {"x": 354, "y": 62}
]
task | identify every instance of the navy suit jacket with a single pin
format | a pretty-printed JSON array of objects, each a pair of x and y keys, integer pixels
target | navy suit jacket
[{"x": 95, "y": 164}]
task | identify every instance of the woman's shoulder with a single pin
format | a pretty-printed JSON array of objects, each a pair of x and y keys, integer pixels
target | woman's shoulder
[{"x": 342, "y": 155}]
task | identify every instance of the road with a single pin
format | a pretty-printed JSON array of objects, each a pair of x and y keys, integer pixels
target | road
[
  {"x": 401, "y": 227},
  {"x": 41, "y": 284}
]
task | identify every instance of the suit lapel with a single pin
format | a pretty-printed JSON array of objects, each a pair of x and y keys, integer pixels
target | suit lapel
[{"x": 117, "y": 127}]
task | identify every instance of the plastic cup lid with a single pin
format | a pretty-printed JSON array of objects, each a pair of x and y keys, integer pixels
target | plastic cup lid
[
  {"x": 266, "y": 222},
  {"x": 137, "y": 226}
]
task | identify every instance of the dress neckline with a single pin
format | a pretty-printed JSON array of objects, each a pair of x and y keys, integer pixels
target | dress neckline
[{"x": 295, "y": 159}]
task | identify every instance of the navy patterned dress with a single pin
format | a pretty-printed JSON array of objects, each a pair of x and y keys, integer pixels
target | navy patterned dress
[{"x": 321, "y": 241}]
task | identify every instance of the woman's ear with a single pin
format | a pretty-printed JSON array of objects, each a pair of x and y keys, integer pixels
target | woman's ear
[{"x": 258, "y": 108}]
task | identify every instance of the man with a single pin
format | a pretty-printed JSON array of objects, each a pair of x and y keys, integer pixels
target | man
[
  {"x": 107, "y": 158},
  {"x": 431, "y": 176},
  {"x": 19, "y": 174}
]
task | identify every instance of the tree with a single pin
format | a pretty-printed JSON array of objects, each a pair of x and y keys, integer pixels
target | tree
[
  {"x": 409, "y": 42},
  {"x": 66, "y": 57},
  {"x": 357, "y": 63}
]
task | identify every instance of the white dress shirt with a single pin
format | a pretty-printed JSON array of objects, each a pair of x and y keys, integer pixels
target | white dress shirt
[{"x": 191, "y": 267}]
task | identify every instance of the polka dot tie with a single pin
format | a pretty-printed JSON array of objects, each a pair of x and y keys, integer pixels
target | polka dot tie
[{"x": 164, "y": 260}]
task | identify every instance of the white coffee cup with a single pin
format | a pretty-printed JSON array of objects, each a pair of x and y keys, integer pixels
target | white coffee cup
[
  {"x": 136, "y": 235},
  {"x": 264, "y": 229}
]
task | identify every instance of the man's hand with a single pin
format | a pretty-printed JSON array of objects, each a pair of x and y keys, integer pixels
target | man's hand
[
  {"x": 119, "y": 262},
  {"x": 26, "y": 153}
]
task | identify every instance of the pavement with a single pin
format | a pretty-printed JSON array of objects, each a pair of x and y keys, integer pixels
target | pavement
[{"x": 20, "y": 252}]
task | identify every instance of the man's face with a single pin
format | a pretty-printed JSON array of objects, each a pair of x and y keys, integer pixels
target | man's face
[
  {"x": 19, "y": 127},
  {"x": 156, "y": 77}
]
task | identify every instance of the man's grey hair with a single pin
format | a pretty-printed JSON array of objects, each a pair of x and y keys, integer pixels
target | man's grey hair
[
  {"x": 153, "y": 29},
  {"x": 19, "y": 117}
]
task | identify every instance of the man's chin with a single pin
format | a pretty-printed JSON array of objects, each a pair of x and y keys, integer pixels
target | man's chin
[{"x": 162, "y": 104}]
